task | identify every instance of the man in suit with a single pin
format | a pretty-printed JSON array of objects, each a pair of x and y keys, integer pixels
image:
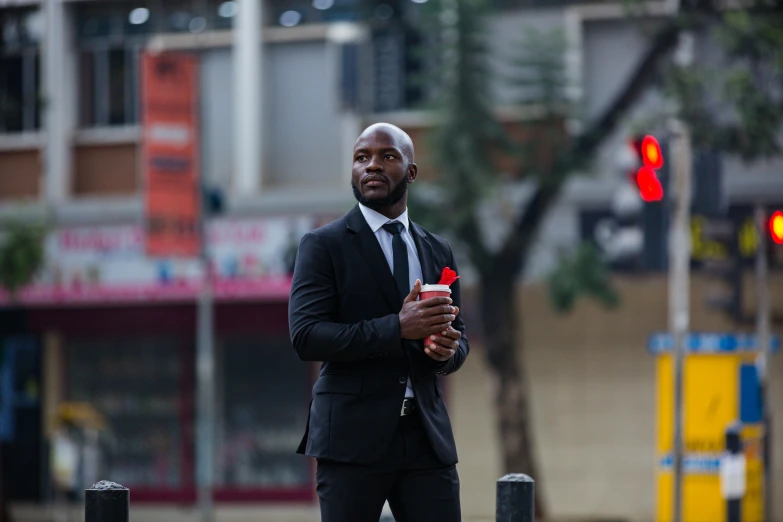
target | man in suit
[{"x": 378, "y": 425}]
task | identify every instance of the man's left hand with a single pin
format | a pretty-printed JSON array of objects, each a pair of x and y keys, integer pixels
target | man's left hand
[{"x": 444, "y": 345}]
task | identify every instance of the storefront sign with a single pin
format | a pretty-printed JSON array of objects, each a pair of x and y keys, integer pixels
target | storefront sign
[
  {"x": 169, "y": 103},
  {"x": 252, "y": 259}
]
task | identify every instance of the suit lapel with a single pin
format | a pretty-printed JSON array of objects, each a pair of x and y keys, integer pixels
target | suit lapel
[
  {"x": 367, "y": 244},
  {"x": 429, "y": 270}
]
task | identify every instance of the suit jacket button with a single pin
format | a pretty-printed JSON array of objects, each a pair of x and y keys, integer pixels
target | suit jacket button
[{"x": 402, "y": 380}]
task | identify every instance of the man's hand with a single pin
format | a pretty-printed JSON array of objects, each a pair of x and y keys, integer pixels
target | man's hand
[
  {"x": 444, "y": 345},
  {"x": 421, "y": 319}
]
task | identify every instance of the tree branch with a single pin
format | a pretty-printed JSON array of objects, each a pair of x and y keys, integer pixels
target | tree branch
[
  {"x": 645, "y": 71},
  {"x": 470, "y": 234},
  {"x": 526, "y": 227},
  {"x": 548, "y": 190}
]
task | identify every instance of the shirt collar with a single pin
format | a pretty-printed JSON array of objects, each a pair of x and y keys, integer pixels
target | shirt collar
[{"x": 376, "y": 220}]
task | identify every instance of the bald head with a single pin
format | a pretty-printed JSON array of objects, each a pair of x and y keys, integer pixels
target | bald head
[
  {"x": 398, "y": 136},
  {"x": 383, "y": 167}
]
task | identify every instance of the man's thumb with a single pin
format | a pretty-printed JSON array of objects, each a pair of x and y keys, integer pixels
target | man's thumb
[{"x": 414, "y": 292}]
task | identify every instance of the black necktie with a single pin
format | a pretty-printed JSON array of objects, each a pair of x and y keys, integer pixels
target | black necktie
[{"x": 400, "y": 258}]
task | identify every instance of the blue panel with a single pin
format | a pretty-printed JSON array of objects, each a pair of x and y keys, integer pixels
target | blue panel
[
  {"x": 693, "y": 463},
  {"x": 710, "y": 343},
  {"x": 750, "y": 395}
]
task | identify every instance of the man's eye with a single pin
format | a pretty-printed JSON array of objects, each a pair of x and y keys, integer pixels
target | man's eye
[
  {"x": 389, "y": 156},
  {"x": 361, "y": 158}
]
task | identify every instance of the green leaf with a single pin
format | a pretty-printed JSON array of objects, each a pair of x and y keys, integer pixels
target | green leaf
[
  {"x": 583, "y": 273},
  {"x": 21, "y": 254}
]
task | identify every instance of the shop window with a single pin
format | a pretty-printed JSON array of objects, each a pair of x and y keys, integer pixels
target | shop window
[
  {"x": 138, "y": 386},
  {"x": 20, "y": 82},
  {"x": 263, "y": 401}
]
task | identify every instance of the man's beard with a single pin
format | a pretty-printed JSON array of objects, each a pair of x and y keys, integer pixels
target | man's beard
[{"x": 392, "y": 198}]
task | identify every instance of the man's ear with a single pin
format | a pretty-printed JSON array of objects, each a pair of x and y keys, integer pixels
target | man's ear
[{"x": 413, "y": 172}]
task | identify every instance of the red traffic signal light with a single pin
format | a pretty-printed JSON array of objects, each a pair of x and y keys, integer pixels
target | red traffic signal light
[
  {"x": 650, "y": 156},
  {"x": 651, "y": 153},
  {"x": 776, "y": 227},
  {"x": 650, "y": 188}
]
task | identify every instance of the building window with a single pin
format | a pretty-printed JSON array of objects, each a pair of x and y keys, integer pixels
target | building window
[
  {"x": 290, "y": 13},
  {"x": 20, "y": 79},
  {"x": 111, "y": 38},
  {"x": 138, "y": 385},
  {"x": 109, "y": 85},
  {"x": 263, "y": 410}
]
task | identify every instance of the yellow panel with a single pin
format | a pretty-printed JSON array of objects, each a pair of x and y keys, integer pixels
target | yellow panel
[
  {"x": 701, "y": 500},
  {"x": 665, "y": 487},
  {"x": 710, "y": 401},
  {"x": 665, "y": 403},
  {"x": 753, "y": 502}
]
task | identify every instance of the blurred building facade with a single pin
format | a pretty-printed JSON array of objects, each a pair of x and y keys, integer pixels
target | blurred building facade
[
  {"x": 118, "y": 330},
  {"x": 81, "y": 163}
]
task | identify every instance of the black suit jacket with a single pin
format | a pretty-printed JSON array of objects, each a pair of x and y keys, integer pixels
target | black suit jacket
[{"x": 343, "y": 312}]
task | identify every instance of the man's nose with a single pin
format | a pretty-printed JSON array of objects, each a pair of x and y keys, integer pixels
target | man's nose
[{"x": 374, "y": 165}]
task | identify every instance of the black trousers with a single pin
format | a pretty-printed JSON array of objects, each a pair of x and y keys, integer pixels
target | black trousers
[{"x": 418, "y": 487}]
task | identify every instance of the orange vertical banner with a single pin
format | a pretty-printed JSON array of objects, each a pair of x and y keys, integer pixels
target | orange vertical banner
[{"x": 170, "y": 154}]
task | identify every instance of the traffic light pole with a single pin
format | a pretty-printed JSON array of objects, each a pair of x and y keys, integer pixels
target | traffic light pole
[
  {"x": 764, "y": 339},
  {"x": 205, "y": 377},
  {"x": 679, "y": 288}
]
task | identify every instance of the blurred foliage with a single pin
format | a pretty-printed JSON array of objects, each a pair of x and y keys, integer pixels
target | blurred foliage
[
  {"x": 480, "y": 157},
  {"x": 540, "y": 76},
  {"x": 483, "y": 167},
  {"x": 470, "y": 140},
  {"x": 21, "y": 254},
  {"x": 582, "y": 273},
  {"x": 733, "y": 101}
]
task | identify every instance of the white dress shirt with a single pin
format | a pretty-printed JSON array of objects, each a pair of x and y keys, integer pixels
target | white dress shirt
[{"x": 376, "y": 220}]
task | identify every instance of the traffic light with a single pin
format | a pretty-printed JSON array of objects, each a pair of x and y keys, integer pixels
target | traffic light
[
  {"x": 635, "y": 236},
  {"x": 722, "y": 263},
  {"x": 650, "y": 158},
  {"x": 776, "y": 227}
]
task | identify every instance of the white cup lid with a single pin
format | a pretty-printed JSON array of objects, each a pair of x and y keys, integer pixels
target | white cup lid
[{"x": 435, "y": 288}]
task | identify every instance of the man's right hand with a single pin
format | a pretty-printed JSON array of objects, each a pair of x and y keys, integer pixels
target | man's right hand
[{"x": 420, "y": 319}]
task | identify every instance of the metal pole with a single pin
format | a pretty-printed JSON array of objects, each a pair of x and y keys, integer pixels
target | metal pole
[
  {"x": 205, "y": 380},
  {"x": 679, "y": 289},
  {"x": 765, "y": 352},
  {"x": 515, "y": 498}
]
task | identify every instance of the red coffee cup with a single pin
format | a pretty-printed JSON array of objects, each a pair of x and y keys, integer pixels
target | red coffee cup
[{"x": 428, "y": 291}]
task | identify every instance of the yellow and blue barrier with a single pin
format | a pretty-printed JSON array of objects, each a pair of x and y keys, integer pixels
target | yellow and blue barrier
[{"x": 721, "y": 386}]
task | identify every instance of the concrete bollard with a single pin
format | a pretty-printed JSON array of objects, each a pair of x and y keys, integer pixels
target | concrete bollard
[
  {"x": 107, "y": 502},
  {"x": 515, "y": 499}
]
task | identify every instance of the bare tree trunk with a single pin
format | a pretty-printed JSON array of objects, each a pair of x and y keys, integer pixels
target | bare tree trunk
[{"x": 502, "y": 339}]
